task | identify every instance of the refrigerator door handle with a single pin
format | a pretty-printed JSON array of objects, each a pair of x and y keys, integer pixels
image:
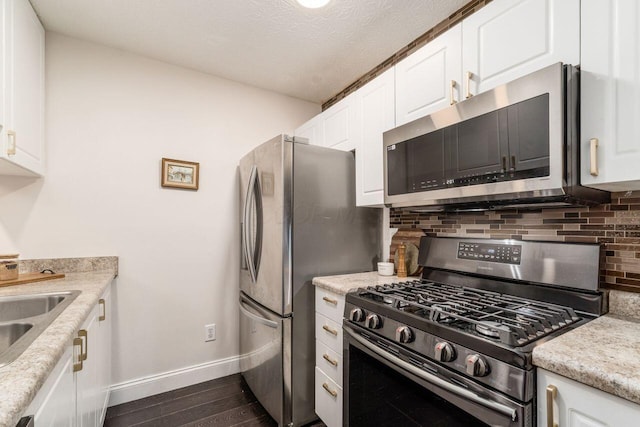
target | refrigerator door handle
[
  {"x": 259, "y": 319},
  {"x": 252, "y": 236}
]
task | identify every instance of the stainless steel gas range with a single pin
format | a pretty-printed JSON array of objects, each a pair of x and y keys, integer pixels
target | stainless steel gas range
[{"x": 453, "y": 348}]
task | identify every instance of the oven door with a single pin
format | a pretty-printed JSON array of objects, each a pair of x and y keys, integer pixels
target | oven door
[{"x": 386, "y": 385}]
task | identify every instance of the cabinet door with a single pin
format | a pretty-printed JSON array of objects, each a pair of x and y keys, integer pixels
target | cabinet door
[
  {"x": 58, "y": 405},
  {"x": 312, "y": 130},
  {"x": 508, "y": 39},
  {"x": 339, "y": 125},
  {"x": 103, "y": 362},
  {"x": 87, "y": 379},
  {"x": 429, "y": 79},
  {"x": 375, "y": 106},
  {"x": 578, "y": 405},
  {"x": 610, "y": 85},
  {"x": 23, "y": 133}
]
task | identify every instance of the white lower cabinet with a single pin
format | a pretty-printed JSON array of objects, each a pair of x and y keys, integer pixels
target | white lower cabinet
[
  {"x": 574, "y": 404},
  {"x": 328, "y": 381},
  {"x": 76, "y": 393}
]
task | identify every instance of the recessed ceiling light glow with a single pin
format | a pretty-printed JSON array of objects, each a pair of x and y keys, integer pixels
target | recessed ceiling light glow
[{"x": 313, "y": 4}]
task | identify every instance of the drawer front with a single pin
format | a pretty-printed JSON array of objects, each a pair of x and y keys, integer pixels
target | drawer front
[
  {"x": 328, "y": 400},
  {"x": 330, "y": 305},
  {"x": 329, "y": 361},
  {"x": 329, "y": 332}
]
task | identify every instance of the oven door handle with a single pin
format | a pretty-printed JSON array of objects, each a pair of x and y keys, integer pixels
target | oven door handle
[{"x": 503, "y": 409}]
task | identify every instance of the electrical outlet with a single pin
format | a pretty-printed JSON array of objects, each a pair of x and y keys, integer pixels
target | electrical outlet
[{"x": 210, "y": 332}]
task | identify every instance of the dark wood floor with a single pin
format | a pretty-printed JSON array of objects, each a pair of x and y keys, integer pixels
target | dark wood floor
[{"x": 223, "y": 402}]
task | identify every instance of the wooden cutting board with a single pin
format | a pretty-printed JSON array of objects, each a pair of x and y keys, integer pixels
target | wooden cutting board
[
  {"x": 406, "y": 235},
  {"x": 30, "y": 277}
]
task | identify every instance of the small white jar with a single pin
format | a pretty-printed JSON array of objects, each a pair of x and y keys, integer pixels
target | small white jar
[{"x": 385, "y": 268}]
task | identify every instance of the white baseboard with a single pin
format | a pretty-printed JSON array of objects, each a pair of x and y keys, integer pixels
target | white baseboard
[{"x": 171, "y": 380}]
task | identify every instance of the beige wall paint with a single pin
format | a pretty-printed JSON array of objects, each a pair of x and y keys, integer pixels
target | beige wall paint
[{"x": 111, "y": 117}]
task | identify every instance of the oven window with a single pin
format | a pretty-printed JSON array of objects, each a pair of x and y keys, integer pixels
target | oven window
[{"x": 379, "y": 396}]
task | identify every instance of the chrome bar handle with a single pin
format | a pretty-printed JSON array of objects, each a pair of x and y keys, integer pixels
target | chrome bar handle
[
  {"x": 452, "y": 99},
  {"x": 469, "y": 76},
  {"x": 246, "y": 226},
  {"x": 593, "y": 152},
  {"x": 552, "y": 392}
]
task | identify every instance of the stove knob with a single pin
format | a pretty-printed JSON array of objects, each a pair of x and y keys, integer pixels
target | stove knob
[
  {"x": 477, "y": 366},
  {"x": 356, "y": 315},
  {"x": 372, "y": 321},
  {"x": 404, "y": 334},
  {"x": 445, "y": 352}
]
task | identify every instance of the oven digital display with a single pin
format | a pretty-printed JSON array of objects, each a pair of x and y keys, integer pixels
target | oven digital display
[{"x": 506, "y": 254}]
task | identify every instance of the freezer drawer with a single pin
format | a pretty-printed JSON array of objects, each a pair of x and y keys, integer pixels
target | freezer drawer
[{"x": 261, "y": 357}]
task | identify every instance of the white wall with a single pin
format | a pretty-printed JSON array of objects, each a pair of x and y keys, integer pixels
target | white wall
[{"x": 111, "y": 117}]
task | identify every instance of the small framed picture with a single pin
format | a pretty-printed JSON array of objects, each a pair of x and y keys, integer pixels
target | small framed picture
[{"x": 180, "y": 174}]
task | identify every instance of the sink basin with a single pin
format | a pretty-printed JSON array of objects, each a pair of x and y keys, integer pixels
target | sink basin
[
  {"x": 23, "y": 318},
  {"x": 21, "y": 307}
]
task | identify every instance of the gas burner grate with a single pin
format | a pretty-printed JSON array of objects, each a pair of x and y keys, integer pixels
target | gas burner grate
[{"x": 507, "y": 319}]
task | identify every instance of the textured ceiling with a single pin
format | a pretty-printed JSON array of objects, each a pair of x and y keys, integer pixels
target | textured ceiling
[{"x": 272, "y": 44}]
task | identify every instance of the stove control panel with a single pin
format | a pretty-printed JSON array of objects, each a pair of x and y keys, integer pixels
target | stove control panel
[{"x": 506, "y": 254}]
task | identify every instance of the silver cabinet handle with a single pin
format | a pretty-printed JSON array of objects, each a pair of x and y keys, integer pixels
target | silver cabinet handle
[
  {"x": 593, "y": 146},
  {"x": 330, "y": 301},
  {"x": 329, "y": 359},
  {"x": 331, "y": 392},
  {"x": 469, "y": 94},
  {"x": 450, "y": 387},
  {"x": 11, "y": 147},
  {"x": 266, "y": 322},
  {"x": 552, "y": 392},
  {"x": 331, "y": 331},
  {"x": 452, "y": 99}
]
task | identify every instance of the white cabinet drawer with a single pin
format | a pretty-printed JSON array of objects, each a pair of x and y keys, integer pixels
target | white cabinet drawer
[
  {"x": 328, "y": 400},
  {"x": 329, "y": 332},
  {"x": 329, "y": 361},
  {"x": 330, "y": 305}
]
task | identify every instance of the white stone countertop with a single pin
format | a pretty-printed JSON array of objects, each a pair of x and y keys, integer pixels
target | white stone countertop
[
  {"x": 21, "y": 380},
  {"x": 343, "y": 283},
  {"x": 604, "y": 353}
]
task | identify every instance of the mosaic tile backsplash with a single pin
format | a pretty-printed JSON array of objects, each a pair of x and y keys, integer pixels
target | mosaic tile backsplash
[{"x": 616, "y": 226}]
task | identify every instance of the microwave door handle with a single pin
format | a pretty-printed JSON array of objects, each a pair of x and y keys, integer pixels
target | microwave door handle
[
  {"x": 433, "y": 379},
  {"x": 246, "y": 226}
]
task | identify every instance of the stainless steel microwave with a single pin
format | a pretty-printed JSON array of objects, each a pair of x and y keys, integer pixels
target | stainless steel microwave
[{"x": 517, "y": 144}]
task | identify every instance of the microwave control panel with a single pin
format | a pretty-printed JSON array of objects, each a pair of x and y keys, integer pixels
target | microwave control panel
[{"x": 506, "y": 254}]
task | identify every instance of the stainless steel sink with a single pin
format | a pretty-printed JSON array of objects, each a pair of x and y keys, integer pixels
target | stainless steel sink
[{"x": 23, "y": 318}]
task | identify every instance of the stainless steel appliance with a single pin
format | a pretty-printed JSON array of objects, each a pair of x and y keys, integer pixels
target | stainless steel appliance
[
  {"x": 517, "y": 144},
  {"x": 454, "y": 348},
  {"x": 299, "y": 220}
]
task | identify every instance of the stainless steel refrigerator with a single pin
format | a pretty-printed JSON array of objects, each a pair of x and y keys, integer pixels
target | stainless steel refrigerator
[{"x": 298, "y": 221}]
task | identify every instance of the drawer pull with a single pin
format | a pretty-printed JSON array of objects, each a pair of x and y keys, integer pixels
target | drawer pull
[
  {"x": 452, "y": 100},
  {"x": 331, "y": 331},
  {"x": 77, "y": 342},
  {"x": 330, "y": 301},
  {"x": 469, "y": 76},
  {"x": 593, "y": 153},
  {"x": 331, "y": 392},
  {"x": 329, "y": 359},
  {"x": 552, "y": 392},
  {"x": 103, "y": 316}
]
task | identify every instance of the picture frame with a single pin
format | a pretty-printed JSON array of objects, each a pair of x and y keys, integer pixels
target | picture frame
[{"x": 180, "y": 174}]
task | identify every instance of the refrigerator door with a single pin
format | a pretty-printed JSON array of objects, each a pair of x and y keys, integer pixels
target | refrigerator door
[
  {"x": 265, "y": 185},
  {"x": 261, "y": 357}
]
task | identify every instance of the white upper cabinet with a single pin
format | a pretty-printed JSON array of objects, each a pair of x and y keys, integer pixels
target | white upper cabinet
[
  {"x": 429, "y": 79},
  {"x": 22, "y": 113},
  {"x": 339, "y": 125},
  {"x": 508, "y": 39},
  {"x": 610, "y": 85},
  {"x": 375, "y": 106},
  {"x": 312, "y": 130}
]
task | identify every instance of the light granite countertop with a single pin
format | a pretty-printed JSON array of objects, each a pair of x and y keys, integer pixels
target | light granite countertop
[
  {"x": 343, "y": 283},
  {"x": 21, "y": 380},
  {"x": 604, "y": 353}
]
